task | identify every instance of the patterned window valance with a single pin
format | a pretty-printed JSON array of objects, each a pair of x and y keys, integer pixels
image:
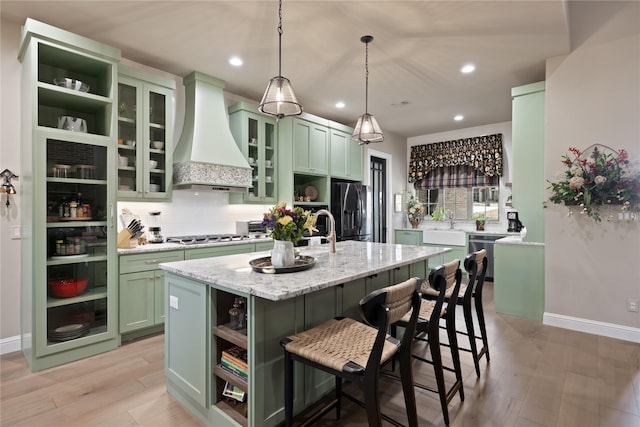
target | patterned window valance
[{"x": 482, "y": 153}]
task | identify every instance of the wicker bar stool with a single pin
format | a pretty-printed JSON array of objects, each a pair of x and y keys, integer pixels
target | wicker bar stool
[
  {"x": 354, "y": 351},
  {"x": 443, "y": 280},
  {"x": 476, "y": 266}
]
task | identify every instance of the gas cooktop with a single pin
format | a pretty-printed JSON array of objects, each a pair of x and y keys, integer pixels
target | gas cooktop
[{"x": 207, "y": 238}]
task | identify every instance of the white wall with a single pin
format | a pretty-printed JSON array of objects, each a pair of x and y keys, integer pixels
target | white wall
[
  {"x": 9, "y": 159},
  {"x": 505, "y": 129},
  {"x": 593, "y": 95}
]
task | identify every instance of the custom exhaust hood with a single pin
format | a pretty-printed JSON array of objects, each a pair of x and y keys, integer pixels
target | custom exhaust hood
[{"x": 207, "y": 153}]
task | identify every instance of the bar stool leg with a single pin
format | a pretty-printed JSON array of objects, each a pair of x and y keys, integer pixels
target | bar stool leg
[
  {"x": 338, "y": 397},
  {"x": 455, "y": 354},
  {"x": 468, "y": 320},
  {"x": 483, "y": 328},
  {"x": 372, "y": 402},
  {"x": 288, "y": 389},
  {"x": 406, "y": 376}
]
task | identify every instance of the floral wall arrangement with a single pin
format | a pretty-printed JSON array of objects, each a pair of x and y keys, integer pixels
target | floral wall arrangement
[{"x": 598, "y": 176}]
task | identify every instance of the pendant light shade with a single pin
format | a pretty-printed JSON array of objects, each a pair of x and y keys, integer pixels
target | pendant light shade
[
  {"x": 367, "y": 129},
  {"x": 279, "y": 100}
]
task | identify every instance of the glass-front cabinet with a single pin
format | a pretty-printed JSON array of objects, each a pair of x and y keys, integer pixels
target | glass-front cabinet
[
  {"x": 255, "y": 135},
  {"x": 67, "y": 197},
  {"x": 78, "y": 229},
  {"x": 145, "y": 132}
]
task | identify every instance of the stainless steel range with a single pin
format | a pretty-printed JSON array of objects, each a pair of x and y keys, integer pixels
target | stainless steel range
[{"x": 207, "y": 238}]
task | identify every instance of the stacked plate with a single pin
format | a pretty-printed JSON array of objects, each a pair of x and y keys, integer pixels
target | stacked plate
[{"x": 69, "y": 332}]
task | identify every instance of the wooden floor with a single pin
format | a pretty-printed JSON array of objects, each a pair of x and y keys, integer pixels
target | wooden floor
[{"x": 538, "y": 376}]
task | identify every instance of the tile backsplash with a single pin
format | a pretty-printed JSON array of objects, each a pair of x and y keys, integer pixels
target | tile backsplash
[{"x": 195, "y": 212}]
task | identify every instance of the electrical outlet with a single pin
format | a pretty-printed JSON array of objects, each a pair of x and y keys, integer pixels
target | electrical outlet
[
  {"x": 173, "y": 302},
  {"x": 632, "y": 305}
]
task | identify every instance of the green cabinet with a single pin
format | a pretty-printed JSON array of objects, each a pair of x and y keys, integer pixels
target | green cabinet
[
  {"x": 141, "y": 297},
  {"x": 408, "y": 237},
  {"x": 347, "y": 159},
  {"x": 310, "y": 147},
  {"x": 145, "y": 132},
  {"x": 518, "y": 285},
  {"x": 527, "y": 167},
  {"x": 67, "y": 202},
  {"x": 256, "y": 136},
  {"x": 208, "y": 252}
]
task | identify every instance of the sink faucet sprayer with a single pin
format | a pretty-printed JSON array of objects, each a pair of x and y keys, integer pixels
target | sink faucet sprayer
[{"x": 332, "y": 229}]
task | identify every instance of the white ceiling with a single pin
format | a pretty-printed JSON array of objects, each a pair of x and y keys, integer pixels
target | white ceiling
[{"x": 415, "y": 86}]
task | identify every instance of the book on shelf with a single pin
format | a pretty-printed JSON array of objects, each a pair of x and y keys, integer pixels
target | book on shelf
[
  {"x": 237, "y": 356},
  {"x": 233, "y": 370},
  {"x": 233, "y": 392}
]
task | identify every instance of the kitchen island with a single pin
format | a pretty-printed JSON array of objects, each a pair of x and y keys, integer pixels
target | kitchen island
[{"x": 199, "y": 294}]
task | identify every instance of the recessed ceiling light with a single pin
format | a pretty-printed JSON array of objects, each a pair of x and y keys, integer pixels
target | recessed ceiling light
[
  {"x": 236, "y": 61},
  {"x": 468, "y": 68},
  {"x": 458, "y": 118},
  {"x": 339, "y": 104}
]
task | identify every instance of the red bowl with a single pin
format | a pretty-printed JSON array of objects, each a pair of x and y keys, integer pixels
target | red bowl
[{"x": 67, "y": 288}]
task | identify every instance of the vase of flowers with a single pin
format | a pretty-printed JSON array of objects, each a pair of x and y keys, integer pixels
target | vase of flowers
[
  {"x": 286, "y": 226},
  {"x": 595, "y": 177},
  {"x": 415, "y": 211}
]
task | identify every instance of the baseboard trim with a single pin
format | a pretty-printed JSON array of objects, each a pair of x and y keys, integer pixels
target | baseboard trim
[
  {"x": 610, "y": 330},
  {"x": 10, "y": 344}
]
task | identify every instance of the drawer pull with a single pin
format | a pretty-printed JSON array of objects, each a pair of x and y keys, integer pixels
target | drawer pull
[
  {"x": 155, "y": 261},
  {"x": 150, "y": 277},
  {"x": 159, "y": 276}
]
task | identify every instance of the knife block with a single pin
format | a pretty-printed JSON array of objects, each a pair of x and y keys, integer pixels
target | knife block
[{"x": 125, "y": 241}]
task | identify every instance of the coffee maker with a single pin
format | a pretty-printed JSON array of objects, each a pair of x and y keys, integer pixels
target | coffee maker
[
  {"x": 514, "y": 223},
  {"x": 154, "y": 228}
]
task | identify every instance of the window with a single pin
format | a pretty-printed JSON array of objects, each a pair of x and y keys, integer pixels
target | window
[{"x": 462, "y": 202}]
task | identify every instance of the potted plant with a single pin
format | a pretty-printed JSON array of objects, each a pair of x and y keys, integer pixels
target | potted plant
[
  {"x": 439, "y": 214},
  {"x": 480, "y": 218},
  {"x": 286, "y": 226}
]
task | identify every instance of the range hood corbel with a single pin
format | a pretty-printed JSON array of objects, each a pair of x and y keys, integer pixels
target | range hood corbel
[{"x": 207, "y": 153}]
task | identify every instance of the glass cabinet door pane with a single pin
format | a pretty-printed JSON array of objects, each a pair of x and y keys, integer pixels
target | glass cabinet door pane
[
  {"x": 254, "y": 155},
  {"x": 76, "y": 283},
  {"x": 157, "y": 142},
  {"x": 127, "y": 135},
  {"x": 270, "y": 160}
]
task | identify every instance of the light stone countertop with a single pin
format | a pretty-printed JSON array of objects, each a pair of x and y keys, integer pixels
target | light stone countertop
[
  {"x": 352, "y": 260},
  {"x": 517, "y": 240},
  {"x": 157, "y": 247}
]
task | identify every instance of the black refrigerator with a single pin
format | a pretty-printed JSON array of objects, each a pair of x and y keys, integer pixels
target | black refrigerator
[{"x": 350, "y": 209}]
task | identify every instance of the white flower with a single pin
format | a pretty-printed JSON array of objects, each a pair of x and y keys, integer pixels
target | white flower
[
  {"x": 576, "y": 170},
  {"x": 599, "y": 179},
  {"x": 576, "y": 182}
]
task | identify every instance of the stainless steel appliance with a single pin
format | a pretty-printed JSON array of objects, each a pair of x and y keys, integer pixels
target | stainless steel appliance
[
  {"x": 482, "y": 241},
  {"x": 514, "y": 223},
  {"x": 349, "y": 206},
  {"x": 251, "y": 228},
  {"x": 153, "y": 228},
  {"x": 206, "y": 238}
]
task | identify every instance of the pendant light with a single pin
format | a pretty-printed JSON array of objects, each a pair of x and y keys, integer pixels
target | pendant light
[
  {"x": 367, "y": 129},
  {"x": 279, "y": 99}
]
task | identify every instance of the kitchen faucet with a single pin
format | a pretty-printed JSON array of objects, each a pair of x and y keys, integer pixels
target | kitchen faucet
[
  {"x": 450, "y": 220},
  {"x": 332, "y": 229}
]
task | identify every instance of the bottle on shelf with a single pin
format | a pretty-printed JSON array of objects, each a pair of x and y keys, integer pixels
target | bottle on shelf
[{"x": 235, "y": 315}]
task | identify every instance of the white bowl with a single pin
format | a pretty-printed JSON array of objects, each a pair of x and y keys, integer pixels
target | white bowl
[
  {"x": 154, "y": 188},
  {"x": 123, "y": 161},
  {"x": 158, "y": 145},
  {"x": 153, "y": 164},
  {"x": 72, "y": 84}
]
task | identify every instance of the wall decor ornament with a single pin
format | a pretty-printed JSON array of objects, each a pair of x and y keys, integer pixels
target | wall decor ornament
[{"x": 595, "y": 177}]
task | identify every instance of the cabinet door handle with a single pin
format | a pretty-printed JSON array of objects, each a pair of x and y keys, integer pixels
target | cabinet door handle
[
  {"x": 150, "y": 277},
  {"x": 159, "y": 276},
  {"x": 155, "y": 261},
  {"x": 111, "y": 216}
]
